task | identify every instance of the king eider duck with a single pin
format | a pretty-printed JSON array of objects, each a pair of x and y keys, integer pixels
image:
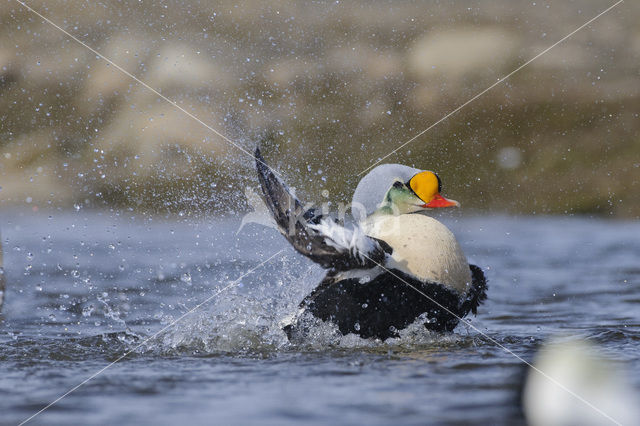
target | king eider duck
[{"x": 395, "y": 267}]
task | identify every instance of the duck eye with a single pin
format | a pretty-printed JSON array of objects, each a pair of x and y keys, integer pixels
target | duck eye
[
  {"x": 398, "y": 184},
  {"x": 408, "y": 185}
]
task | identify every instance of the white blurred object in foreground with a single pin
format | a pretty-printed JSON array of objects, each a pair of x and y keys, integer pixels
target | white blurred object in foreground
[{"x": 579, "y": 367}]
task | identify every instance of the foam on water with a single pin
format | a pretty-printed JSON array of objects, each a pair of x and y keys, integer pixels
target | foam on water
[{"x": 254, "y": 325}]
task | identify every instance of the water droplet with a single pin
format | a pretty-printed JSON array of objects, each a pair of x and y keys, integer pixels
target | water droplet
[{"x": 87, "y": 310}]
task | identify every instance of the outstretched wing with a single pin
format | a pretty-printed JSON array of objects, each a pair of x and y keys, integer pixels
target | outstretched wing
[{"x": 318, "y": 237}]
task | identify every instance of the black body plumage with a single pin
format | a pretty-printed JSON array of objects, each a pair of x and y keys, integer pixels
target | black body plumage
[{"x": 388, "y": 303}]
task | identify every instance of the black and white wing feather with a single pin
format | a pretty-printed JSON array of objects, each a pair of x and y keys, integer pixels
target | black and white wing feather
[{"x": 318, "y": 237}]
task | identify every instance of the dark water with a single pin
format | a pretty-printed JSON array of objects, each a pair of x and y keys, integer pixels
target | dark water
[{"x": 86, "y": 288}]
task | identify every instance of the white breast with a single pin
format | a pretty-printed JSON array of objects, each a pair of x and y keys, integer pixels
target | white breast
[{"x": 424, "y": 248}]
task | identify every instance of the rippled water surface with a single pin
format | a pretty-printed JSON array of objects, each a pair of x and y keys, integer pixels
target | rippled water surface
[{"x": 86, "y": 288}]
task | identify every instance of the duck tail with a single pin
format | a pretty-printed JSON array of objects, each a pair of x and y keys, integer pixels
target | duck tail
[{"x": 477, "y": 293}]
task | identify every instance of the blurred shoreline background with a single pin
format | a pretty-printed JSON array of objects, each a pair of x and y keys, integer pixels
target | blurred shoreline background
[{"x": 338, "y": 85}]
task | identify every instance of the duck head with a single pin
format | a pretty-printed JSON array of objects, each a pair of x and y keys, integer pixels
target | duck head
[{"x": 420, "y": 193}]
